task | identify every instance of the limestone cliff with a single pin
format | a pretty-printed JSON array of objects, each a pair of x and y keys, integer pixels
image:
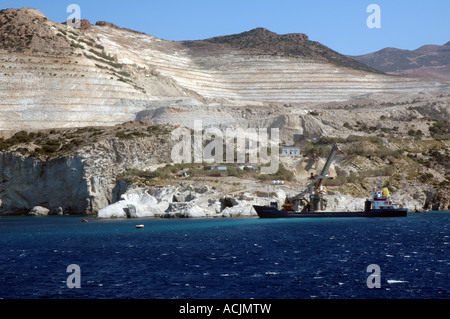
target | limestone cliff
[
  {"x": 82, "y": 179},
  {"x": 27, "y": 182}
]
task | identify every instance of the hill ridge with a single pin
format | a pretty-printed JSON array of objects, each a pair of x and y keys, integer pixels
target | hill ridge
[
  {"x": 265, "y": 42},
  {"x": 430, "y": 60}
]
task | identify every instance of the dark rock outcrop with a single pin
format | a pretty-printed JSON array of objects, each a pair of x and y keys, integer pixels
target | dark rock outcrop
[{"x": 438, "y": 199}]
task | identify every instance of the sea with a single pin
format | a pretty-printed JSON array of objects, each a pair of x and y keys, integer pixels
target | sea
[{"x": 62, "y": 257}]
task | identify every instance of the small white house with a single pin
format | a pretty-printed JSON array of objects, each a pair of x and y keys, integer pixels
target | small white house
[
  {"x": 290, "y": 151},
  {"x": 218, "y": 168}
]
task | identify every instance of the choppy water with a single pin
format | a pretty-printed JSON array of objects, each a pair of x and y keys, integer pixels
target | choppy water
[{"x": 226, "y": 258}]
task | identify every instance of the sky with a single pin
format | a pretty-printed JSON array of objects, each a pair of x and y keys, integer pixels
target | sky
[{"x": 342, "y": 25}]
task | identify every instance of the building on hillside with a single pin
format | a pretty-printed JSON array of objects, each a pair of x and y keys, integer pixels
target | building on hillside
[{"x": 292, "y": 151}]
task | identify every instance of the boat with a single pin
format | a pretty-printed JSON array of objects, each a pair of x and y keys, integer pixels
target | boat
[
  {"x": 140, "y": 226},
  {"x": 314, "y": 205},
  {"x": 378, "y": 206}
]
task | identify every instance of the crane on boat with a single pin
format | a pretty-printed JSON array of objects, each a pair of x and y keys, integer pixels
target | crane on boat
[{"x": 312, "y": 197}]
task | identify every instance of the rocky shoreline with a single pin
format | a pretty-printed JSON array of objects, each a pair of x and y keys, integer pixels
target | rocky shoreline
[
  {"x": 90, "y": 182},
  {"x": 187, "y": 201}
]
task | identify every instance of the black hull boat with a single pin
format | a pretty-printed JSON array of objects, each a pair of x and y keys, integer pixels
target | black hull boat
[
  {"x": 272, "y": 212},
  {"x": 314, "y": 205}
]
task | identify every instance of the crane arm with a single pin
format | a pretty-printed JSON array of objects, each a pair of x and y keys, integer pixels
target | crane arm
[
  {"x": 324, "y": 174},
  {"x": 316, "y": 183}
]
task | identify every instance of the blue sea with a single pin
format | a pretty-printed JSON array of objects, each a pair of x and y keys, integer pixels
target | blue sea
[{"x": 229, "y": 258}]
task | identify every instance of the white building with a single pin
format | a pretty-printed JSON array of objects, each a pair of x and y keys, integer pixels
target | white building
[
  {"x": 290, "y": 151},
  {"x": 218, "y": 168}
]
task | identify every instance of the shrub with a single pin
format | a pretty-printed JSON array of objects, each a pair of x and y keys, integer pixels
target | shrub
[
  {"x": 76, "y": 45},
  {"x": 372, "y": 139},
  {"x": 124, "y": 136},
  {"x": 424, "y": 178},
  {"x": 234, "y": 171},
  {"x": 49, "y": 147},
  {"x": 440, "y": 130},
  {"x": 337, "y": 181},
  {"x": 20, "y": 137},
  {"x": 281, "y": 174},
  {"x": 320, "y": 150},
  {"x": 346, "y": 125}
]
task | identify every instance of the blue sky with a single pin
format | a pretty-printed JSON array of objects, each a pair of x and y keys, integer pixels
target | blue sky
[{"x": 338, "y": 24}]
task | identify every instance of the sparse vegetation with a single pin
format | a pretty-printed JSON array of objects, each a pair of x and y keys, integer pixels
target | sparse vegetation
[
  {"x": 77, "y": 45},
  {"x": 346, "y": 125},
  {"x": 440, "y": 130},
  {"x": 425, "y": 178},
  {"x": 282, "y": 174},
  {"x": 58, "y": 142},
  {"x": 359, "y": 177},
  {"x": 168, "y": 171},
  {"x": 102, "y": 54},
  {"x": 130, "y": 135},
  {"x": 109, "y": 62}
]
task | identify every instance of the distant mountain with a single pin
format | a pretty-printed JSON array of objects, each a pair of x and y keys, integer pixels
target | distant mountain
[
  {"x": 266, "y": 42},
  {"x": 428, "y": 61}
]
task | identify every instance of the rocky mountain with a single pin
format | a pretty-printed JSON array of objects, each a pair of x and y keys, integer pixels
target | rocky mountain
[
  {"x": 53, "y": 75},
  {"x": 428, "y": 61},
  {"x": 86, "y": 116},
  {"x": 261, "y": 41}
]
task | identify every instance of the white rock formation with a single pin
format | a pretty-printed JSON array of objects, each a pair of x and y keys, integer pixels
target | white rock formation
[
  {"x": 197, "y": 202},
  {"x": 133, "y": 204},
  {"x": 342, "y": 202},
  {"x": 186, "y": 210},
  {"x": 39, "y": 211}
]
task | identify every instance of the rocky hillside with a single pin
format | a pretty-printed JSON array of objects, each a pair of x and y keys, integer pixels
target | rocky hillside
[
  {"x": 55, "y": 76},
  {"x": 428, "y": 61},
  {"x": 86, "y": 116},
  {"x": 261, "y": 41},
  {"x": 86, "y": 170}
]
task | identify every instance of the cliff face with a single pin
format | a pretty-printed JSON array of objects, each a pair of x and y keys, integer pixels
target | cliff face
[
  {"x": 84, "y": 179},
  {"x": 27, "y": 182}
]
